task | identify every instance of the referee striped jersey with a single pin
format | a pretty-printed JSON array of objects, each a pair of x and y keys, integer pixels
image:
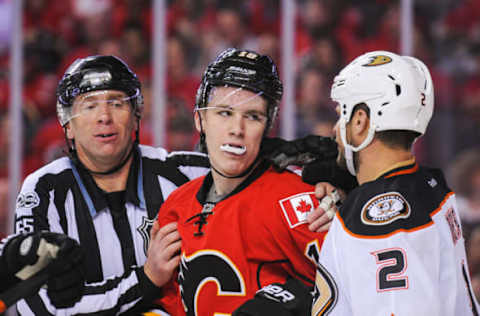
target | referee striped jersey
[{"x": 113, "y": 228}]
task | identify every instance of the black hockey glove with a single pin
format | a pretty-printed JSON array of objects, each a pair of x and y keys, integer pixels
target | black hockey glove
[
  {"x": 289, "y": 299},
  {"x": 25, "y": 255},
  {"x": 329, "y": 171},
  {"x": 283, "y": 153},
  {"x": 66, "y": 284}
]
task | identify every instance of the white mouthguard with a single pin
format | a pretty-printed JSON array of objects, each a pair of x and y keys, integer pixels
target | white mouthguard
[{"x": 234, "y": 150}]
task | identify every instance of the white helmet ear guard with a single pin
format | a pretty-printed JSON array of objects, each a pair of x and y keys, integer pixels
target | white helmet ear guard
[{"x": 398, "y": 90}]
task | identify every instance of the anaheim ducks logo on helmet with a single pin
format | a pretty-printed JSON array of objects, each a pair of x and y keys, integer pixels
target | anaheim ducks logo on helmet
[
  {"x": 385, "y": 208},
  {"x": 378, "y": 60}
]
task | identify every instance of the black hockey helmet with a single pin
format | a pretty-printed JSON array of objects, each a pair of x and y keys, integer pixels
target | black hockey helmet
[
  {"x": 245, "y": 69},
  {"x": 96, "y": 73}
]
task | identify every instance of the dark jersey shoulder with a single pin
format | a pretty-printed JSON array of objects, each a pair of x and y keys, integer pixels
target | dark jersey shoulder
[{"x": 397, "y": 201}]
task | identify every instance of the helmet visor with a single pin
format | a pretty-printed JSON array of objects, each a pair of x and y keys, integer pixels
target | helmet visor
[
  {"x": 233, "y": 98},
  {"x": 96, "y": 103},
  {"x": 229, "y": 103}
]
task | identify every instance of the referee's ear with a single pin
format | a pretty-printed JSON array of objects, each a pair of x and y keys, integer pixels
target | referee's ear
[
  {"x": 69, "y": 131},
  {"x": 197, "y": 119}
]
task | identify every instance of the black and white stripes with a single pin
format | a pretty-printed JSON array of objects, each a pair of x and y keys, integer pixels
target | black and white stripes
[{"x": 67, "y": 200}]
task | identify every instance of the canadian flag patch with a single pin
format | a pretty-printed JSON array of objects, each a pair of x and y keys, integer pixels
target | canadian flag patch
[{"x": 297, "y": 207}]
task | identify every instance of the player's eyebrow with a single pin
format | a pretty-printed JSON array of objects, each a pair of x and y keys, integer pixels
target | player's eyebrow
[
  {"x": 117, "y": 96},
  {"x": 254, "y": 111}
]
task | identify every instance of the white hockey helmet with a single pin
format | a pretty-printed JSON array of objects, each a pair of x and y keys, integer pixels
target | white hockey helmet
[{"x": 398, "y": 90}]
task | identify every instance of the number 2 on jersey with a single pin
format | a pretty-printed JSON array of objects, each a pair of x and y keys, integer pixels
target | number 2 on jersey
[{"x": 391, "y": 272}]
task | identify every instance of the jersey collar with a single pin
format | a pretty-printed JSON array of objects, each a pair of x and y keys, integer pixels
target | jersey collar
[
  {"x": 402, "y": 167},
  {"x": 208, "y": 182},
  {"x": 95, "y": 197}
]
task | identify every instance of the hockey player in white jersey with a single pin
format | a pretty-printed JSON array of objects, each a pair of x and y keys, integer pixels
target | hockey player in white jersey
[{"x": 395, "y": 247}]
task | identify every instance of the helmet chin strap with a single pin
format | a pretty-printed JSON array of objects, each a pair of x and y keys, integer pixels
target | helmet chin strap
[{"x": 349, "y": 149}]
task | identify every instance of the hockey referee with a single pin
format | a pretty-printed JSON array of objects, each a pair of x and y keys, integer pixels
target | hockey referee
[{"x": 106, "y": 193}]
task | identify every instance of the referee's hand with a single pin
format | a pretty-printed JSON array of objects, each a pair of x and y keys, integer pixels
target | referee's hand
[{"x": 163, "y": 254}]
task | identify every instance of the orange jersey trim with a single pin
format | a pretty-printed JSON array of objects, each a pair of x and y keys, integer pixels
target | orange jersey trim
[
  {"x": 449, "y": 194},
  {"x": 398, "y": 230},
  {"x": 406, "y": 171}
]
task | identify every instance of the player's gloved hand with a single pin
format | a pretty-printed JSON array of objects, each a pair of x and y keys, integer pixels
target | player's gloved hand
[
  {"x": 283, "y": 153},
  {"x": 292, "y": 298},
  {"x": 67, "y": 277},
  {"x": 329, "y": 171},
  {"x": 27, "y": 254}
]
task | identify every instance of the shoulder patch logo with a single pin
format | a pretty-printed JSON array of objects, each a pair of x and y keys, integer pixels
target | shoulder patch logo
[
  {"x": 385, "y": 208},
  {"x": 28, "y": 200},
  {"x": 297, "y": 207},
  {"x": 378, "y": 60}
]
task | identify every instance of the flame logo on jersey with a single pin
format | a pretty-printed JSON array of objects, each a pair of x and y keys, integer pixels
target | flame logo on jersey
[
  {"x": 378, "y": 60},
  {"x": 385, "y": 208},
  {"x": 208, "y": 266}
]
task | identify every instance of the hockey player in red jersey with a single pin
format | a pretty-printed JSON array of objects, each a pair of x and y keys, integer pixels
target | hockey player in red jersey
[
  {"x": 242, "y": 226},
  {"x": 395, "y": 247}
]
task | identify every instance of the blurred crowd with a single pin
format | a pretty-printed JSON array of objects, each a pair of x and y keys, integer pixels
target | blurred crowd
[{"x": 329, "y": 34}]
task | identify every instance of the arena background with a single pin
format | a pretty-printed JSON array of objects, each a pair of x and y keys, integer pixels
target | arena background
[{"x": 169, "y": 43}]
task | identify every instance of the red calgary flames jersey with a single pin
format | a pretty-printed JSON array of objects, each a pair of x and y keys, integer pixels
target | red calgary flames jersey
[{"x": 255, "y": 236}]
